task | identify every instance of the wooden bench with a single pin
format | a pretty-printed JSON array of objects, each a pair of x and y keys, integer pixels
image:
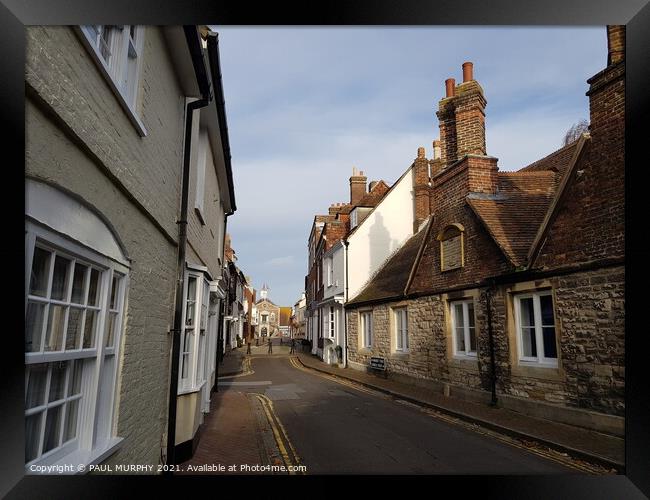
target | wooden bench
[{"x": 378, "y": 366}]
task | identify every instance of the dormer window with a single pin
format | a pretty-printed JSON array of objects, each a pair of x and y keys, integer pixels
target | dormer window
[
  {"x": 452, "y": 250},
  {"x": 353, "y": 219}
]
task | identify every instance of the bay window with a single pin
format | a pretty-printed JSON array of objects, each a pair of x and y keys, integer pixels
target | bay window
[
  {"x": 73, "y": 325},
  {"x": 194, "y": 336}
]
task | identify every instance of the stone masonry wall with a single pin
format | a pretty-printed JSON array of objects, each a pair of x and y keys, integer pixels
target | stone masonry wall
[{"x": 589, "y": 311}]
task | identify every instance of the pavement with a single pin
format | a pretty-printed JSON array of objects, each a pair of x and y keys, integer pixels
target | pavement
[{"x": 603, "y": 449}]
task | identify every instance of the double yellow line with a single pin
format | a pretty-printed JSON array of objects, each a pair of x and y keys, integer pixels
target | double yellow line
[
  {"x": 361, "y": 388},
  {"x": 290, "y": 456},
  {"x": 549, "y": 455}
]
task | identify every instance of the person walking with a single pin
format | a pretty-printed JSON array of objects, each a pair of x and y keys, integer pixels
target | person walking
[
  {"x": 248, "y": 346},
  {"x": 270, "y": 346},
  {"x": 293, "y": 346}
]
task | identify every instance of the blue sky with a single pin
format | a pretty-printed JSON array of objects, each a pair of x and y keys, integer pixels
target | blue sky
[{"x": 305, "y": 105}]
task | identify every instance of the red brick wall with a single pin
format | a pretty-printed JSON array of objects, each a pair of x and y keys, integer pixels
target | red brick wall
[
  {"x": 482, "y": 256},
  {"x": 590, "y": 223}
]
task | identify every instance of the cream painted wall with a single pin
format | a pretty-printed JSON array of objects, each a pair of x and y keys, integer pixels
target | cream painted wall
[{"x": 380, "y": 234}]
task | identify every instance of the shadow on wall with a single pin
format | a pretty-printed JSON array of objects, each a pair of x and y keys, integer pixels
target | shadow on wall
[{"x": 381, "y": 245}]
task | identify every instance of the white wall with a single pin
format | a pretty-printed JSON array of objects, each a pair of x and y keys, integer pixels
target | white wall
[
  {"x": 337, "y": 252},
  {"x": 380, "y": 234}
]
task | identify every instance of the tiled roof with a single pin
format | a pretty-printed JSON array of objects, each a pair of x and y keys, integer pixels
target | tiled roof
[
  {"x": 373, "y": 197},
  {"x": 513, "y": 217},
  {"x": 558, "y": 160},
  {"x": 391, "y": 279}
]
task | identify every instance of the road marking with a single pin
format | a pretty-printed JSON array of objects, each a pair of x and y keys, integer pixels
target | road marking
[
  {"x": 549, "y": 455},
  {"x": 252, "y": 382},
  {"x": 296, "y": 364},
  {"x": 280, "y": 434},
  {"x": 247, "y": 370}
]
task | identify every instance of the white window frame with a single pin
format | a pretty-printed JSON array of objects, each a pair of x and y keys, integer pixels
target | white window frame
[
  {"x": 95, "y": 437},
  {"x": 196, "y": 363},
  {"x": 454, "y": 321},
  {"x": 332, "y": 322},
  {"x": 539, "y": 360},
  {"x": 123, "y": 68},
  {"x": 330, "y": 271},
  {"x": 400, "y": 323},
  {"x": 366, "y": 329},
  {"x": 353, "y": 218}
]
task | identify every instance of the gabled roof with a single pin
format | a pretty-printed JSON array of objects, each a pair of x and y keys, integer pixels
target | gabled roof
[
  {"x": 515, "y": 215},
  {"x": 392, "y": 278},
  {"x": 373, "y": 197}
]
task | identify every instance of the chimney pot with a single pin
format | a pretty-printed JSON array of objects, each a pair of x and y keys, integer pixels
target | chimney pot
[
  {"x": 468, "y": 72},
  {"x": 450, "y": 85},
  {"x": 420, "y": 152},
  {"x": 436, "y": 149}
]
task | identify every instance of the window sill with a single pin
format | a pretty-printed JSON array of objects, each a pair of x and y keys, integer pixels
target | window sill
[
  {"x": 101, "y": 65},
  {"x": 400, "y": 354},
  {"x": 465, "y": 359},
  {"x": 80, "y": 460},
  {"x": 365, "y": 350},
  {"x": 538, "y": 370},
  {"x": 192, "y": 389}
]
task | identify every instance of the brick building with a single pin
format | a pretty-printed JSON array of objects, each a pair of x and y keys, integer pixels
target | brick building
[
  {"x": 513, "y": 290},
  {"x": 325, "y": 282}
]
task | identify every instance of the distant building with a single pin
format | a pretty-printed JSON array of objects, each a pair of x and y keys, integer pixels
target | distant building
[
  {"x": 298, "y": 318},
  {"x": 285, "y": 321},
  {"x": 268, "y": 315}
]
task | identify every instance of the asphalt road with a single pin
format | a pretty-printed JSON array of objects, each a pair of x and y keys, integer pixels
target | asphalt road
[{"x": 337, "y": 429}]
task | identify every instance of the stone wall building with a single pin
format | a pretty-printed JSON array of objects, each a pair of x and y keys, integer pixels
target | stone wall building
[{"x": 513, "y": 290}]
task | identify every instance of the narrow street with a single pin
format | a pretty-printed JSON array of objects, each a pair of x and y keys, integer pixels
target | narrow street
[{"x": 332, "y": 426}]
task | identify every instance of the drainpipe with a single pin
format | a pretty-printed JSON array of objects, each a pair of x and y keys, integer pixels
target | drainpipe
[
  {"x": 180, "y": 281},
  {"x": 222, "y": 311},
  {"x": 345, "y": 316},
  {"x": 493, "y": 374}
]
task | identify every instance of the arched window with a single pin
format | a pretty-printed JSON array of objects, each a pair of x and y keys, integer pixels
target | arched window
[
  {"x": 76, "y": 279},
  {"x": 452, "y": 249}
]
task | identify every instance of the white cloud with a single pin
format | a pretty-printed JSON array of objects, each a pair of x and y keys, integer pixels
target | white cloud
[{"x": 280, "y": 261}]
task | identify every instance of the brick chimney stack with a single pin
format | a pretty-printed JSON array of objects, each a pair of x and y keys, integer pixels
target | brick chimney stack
[
  {"x": 615, "y": 44},
  {"x": 607, "y": 106},
  {"x": 421, "y": 189},
  {"x": 357, "y": 186},
  {"x": 461, "y": 115}
]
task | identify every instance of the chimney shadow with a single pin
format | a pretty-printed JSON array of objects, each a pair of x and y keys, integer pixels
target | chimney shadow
[{"x": 381, "y": 245}]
